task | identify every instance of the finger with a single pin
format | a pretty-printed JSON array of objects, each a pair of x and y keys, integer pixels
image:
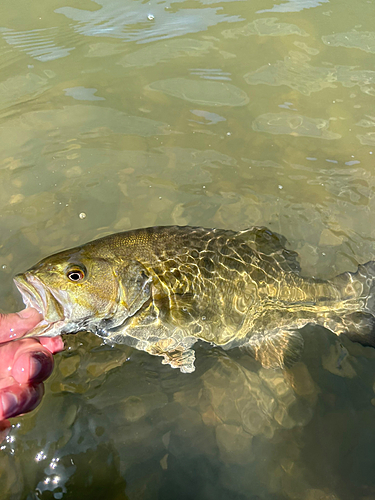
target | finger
[
  {"x": 25, "y": 360},
  {"x": 53, "y": 344},
  {"x": 33, "y": 364},
  {"x": 18, "y": 399},
  {"x": 17, "y": 324}
]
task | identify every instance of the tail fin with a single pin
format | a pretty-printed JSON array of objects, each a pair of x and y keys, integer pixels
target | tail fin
[
  {"x": 366, "y": 276},
  {"x": 359, "y": 286},
  {"x": 359, "y": 326}
]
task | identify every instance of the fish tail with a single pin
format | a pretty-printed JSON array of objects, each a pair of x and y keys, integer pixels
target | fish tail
[
  {"x": 359, "y": 287},
  {"x": 358, "y": 291},
  {"x": 366, "y": 277}
]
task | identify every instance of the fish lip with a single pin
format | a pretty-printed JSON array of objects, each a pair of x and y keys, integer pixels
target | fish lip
[
  {"x": 30, "y": 295},
  {"x": 34, "y": 295}
]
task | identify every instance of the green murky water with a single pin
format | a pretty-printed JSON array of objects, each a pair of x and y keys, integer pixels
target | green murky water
[{"x": 120, "y": 114}]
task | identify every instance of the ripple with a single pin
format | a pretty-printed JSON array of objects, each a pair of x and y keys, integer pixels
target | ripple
[
  {"x": 165, "y": 51},
  {"x": 267, "y": 26},
  {"x": 83, "y": 94},
  {"x": 363, "y": 40},
  {"x": 294, "y": 6},
  {"x": 21, "y": 88},
  {"x": 296, "y": 72},
  {"x": 292, "y": 124},
  {"x": 38, "y": 43},
  {"x": 131, "y": 21},
  {"x": 203, "y": 92}
]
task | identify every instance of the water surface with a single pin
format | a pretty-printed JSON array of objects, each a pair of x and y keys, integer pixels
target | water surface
[{"x": 122, "y": 114}]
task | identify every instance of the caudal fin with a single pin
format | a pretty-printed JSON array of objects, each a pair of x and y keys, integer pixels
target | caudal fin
[
  {"x": 359, "y": 288},
  {"x": 366, "y": 276}
]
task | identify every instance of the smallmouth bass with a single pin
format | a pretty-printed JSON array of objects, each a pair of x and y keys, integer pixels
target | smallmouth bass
[{"x": 162, "y": 289}]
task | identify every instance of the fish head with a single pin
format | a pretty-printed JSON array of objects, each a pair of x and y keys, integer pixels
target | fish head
[{"x": 76, "y": 291}]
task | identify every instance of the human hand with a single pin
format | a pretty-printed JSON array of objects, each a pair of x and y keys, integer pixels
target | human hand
[{"x": 24, "y": 364}]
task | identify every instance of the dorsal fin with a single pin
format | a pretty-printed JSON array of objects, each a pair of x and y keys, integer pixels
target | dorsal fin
[
  {"x": 241, "y": 243},
  {"x": 265, "y": 241}
]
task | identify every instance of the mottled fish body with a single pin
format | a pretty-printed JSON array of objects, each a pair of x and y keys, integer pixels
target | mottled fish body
[{"x": 161, "y": 289}]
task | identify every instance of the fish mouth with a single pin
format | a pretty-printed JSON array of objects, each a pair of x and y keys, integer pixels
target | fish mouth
[
  {"x": 30, "y": 295},
  {"x": 35, "y": 294}
]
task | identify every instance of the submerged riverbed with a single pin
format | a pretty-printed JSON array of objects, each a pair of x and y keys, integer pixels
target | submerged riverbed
[{"x": 116, "y": 115}]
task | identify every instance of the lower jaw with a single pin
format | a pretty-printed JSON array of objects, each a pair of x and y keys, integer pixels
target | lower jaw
[{"x": 46, "y": 329}]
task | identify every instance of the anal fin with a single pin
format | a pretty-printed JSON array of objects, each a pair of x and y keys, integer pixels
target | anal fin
[{"x": 277, "y": 349}]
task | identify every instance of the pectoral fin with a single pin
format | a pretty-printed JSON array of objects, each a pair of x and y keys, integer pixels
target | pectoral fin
[
  {"x": 182, "y": 308},
  {"x": 134, "y": 286},
  {"x": 179, "y": 358},
  {"x": 277, "y": 349}
]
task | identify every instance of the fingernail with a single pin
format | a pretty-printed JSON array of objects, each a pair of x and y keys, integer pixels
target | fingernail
[
  {"x": 39, "y": 363},
  {"x": 9, "y": 403}
]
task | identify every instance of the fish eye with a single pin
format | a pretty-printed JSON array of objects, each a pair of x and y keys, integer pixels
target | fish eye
[{"x": 75, "y": 274}]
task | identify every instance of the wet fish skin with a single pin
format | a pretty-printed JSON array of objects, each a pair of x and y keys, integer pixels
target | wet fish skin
[{"x": 161, "y": 289}]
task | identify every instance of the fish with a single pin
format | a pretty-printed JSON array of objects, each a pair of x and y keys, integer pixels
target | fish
[{"x": 162, "y": 289}]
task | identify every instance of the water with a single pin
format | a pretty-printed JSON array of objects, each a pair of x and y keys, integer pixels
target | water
[{"x": 118, "y": 114}]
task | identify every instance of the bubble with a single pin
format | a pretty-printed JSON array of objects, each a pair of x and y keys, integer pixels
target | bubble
[
  {"x": 150, "y": 17},
  {"x": 82, "y": 215},
  {"x": 53, "y": 463},
  {"x": 40, "y": 456}
]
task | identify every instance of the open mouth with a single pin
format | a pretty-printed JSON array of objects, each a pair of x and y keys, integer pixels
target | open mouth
[
  {"x": 36, "y": 295},
  {"x": 30, "y": 295}
]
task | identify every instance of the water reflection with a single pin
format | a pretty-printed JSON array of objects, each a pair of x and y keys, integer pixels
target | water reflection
[
  {"x": 164, "y": 52},
  {"x": 297, "y": 125},
  {"x": 231, "y": 423},
  {"x": 295, "y": 5},
  {"x": 268, "y": 26},
  {"x": 37, "y": 43},
  {"x": 363, "y": 40},
  {"x": 296, "y": 72},
  {"x": 143, "y": 22},
  {"x": 202, "y": 92}
]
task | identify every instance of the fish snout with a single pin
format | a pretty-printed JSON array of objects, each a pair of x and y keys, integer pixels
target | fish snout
[{"x": 35, "y": 294}]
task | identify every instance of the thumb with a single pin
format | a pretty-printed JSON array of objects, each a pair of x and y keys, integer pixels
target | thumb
[{"x": 17, "y": 324}]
